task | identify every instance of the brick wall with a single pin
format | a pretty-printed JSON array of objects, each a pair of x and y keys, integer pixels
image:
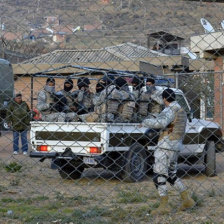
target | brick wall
[
  {"x": 23, "y": 85},
  {"x": 219, "y": 92}
]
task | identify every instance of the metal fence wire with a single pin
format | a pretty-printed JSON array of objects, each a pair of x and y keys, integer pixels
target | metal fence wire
[{"x": 111, "y": 111}]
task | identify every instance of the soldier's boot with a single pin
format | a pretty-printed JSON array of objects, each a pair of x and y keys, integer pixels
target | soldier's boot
[
  {"x": 187, "y": 201},
  {"x": 163, "y": 208}
]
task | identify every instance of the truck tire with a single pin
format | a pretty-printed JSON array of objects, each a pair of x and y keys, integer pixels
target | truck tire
[
  {"x": 210, "y": 159},
  {"x": 5, "y": 125},
  {"x": 135, "y": 166},
  {"x": 70, "y": 172}
]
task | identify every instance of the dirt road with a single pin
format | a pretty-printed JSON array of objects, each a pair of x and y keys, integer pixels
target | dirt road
[{"x": 99, "y": 193}]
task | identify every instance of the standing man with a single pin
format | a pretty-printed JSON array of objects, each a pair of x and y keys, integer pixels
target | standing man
[
  {"x": 18, "y": 118},
  {"x": 172, "y": 120}
]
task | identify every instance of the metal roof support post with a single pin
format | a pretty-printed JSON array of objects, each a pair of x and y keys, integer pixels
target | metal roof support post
[
  {"x": 176, "y": 80},
  {"x": 31, "y": 91}
]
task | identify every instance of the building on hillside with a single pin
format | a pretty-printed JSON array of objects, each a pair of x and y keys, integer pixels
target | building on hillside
[
  {"x": 11, "y": 36},
  {"x": 121, "y": 52},
  {"x": 91, "y": 27},
  {"x": 51, "y": 21},
  {"x": 164, "y": 42}
]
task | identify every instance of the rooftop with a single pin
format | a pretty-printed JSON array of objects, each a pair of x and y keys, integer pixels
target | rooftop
[{"x": 126, "y": 51}]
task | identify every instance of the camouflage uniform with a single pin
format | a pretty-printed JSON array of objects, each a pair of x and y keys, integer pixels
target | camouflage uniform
[
  {"x": 156, "y": 101},
  {"x": 143, "y": 100},
  {"x": 101, "y": 105},
  {"x": 83, "y": 101},
  {"x": 70, "y": 115},
  {"x": 126, "y": 105},
  {"x": 45, "y": 101},
  {"x": 172, "y": 120}
]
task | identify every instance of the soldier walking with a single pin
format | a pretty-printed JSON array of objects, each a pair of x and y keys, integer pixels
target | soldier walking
[{"x": 172, "y": 120}]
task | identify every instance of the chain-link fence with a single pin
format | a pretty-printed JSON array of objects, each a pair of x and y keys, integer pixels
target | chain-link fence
[{"x": 111, "y": 111}]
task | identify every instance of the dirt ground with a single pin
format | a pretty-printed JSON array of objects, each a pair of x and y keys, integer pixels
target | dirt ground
[{"x": 37, "y": 194}]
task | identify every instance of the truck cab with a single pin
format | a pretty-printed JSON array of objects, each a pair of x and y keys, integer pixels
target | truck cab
[{"x": 7, "y": 89}]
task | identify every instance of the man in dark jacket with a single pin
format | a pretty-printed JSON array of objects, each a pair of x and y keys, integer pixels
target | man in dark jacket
[{"x": 18, "y": 118}]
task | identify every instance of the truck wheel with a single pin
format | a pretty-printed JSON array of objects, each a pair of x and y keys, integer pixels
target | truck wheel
[
  {"x": 70, "y": 172},
  {"x": 210, "y": 159},
  {"x": 5, "y": 125},
  {"x": 135, "y": 166}
]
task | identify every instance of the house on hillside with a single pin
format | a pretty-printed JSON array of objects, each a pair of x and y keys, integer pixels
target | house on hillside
[
  {"x": 11, "y": 36},
  {"x": 51, "y": 21},
  {"x": 164, "y": 42},
  {"x": 91, "y": 27},
  {"x": 121, "y": 52}
]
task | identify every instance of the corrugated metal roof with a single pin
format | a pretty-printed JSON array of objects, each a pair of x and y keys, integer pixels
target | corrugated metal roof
[
  {"x": 129, "y": 51},
  {"x": 70, "y": 56},
  {"x": 126, "y": 51}
]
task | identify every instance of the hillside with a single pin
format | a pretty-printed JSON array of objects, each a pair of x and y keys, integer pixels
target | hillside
[{"x": 120, "y": 21}]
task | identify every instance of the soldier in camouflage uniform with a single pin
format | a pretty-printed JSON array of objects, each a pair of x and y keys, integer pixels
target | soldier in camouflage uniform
[
  {"x": 105, "y": 89},
  {"x": 99, "y": 88},
  {"x": 110, "y": 105},
  {"x": 69, "y": 107},
  {"x": 122, "y": 101},
  {"x": 172, "y": 120},
  {"x": 156, "y": 103},
  {"x": 95, "y": 115},
  {"x": 46, "y": 103},
  {"x": 142, "y": 99},
  {"x": 83, "y": 97}
]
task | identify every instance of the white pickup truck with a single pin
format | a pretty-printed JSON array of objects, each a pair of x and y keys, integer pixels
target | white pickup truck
[{"x": 124, "y": 148}]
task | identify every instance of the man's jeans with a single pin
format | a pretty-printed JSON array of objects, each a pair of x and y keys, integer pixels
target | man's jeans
[{"x": 23, "y": 135}]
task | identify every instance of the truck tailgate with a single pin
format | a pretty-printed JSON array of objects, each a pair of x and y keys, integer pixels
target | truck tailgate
[{"x": 75, "y": 135}]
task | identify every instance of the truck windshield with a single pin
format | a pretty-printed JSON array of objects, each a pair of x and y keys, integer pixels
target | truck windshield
[{"x": 182, "y": 101}]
